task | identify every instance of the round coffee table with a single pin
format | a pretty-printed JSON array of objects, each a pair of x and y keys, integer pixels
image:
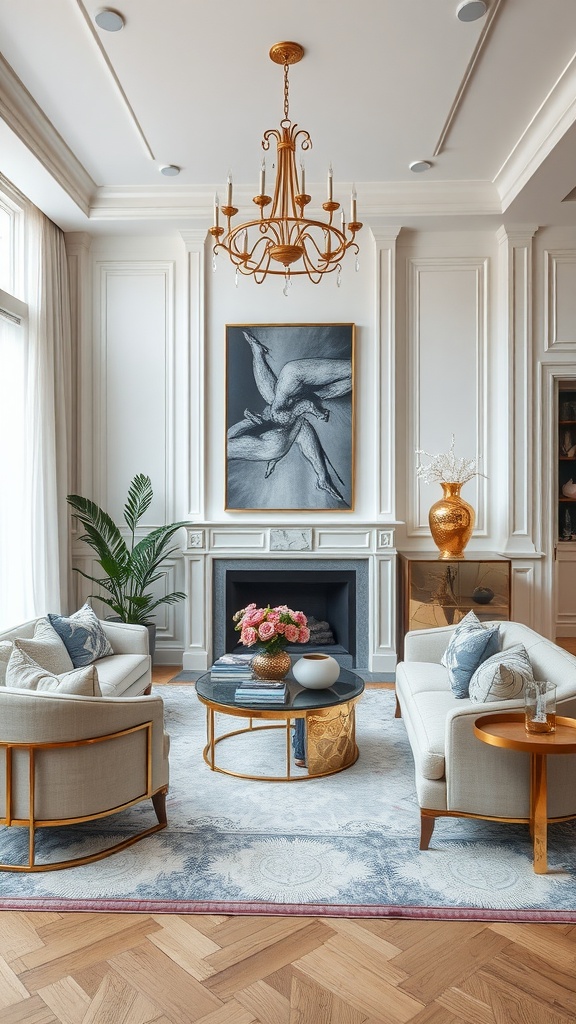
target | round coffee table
[
  {"x": 329, "y": 716},
  {"x": 507, "y": 730}
]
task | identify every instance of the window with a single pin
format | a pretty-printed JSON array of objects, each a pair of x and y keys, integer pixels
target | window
[{"x": 15, "y": 589}]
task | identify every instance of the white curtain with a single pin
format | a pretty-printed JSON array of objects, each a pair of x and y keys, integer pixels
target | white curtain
[
  {"x": 37, "y": 528},
  {"x": 49, "y": 401},
  {"x": 15, "y": 577}
]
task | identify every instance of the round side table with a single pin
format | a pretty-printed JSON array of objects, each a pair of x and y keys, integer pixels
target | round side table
[{"x": 507, "y": 730}]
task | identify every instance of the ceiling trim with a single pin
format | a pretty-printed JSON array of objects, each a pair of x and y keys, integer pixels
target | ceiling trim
[
  {"x": 29, "y": 123},
  {"x": 467, "y": 77},
  {"x": 438, "y": 198},
  {"x": 552, "y": 120},
  {"x": 110, "y": 68}
]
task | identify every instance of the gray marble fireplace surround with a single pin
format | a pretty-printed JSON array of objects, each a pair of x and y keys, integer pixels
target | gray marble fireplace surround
[
  {"x": 336, "y": 590},
  {"x": 359, "y": 557}
]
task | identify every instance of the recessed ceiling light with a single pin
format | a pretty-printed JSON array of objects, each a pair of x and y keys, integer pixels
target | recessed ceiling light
[
  {"x": 170, "y": 170},
  {"x": 420, "y": 165},
  {"x": 471, "y": 10},
  {"x": 109, "y": 20}
]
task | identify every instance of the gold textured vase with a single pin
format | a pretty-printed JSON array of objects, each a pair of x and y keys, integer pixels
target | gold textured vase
[
  {"x": 451, "y": 522},
  {"x": 271, "y": 666}
]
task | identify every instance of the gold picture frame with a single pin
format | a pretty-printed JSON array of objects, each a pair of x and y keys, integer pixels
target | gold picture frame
[{"x": 290, "y": 417}]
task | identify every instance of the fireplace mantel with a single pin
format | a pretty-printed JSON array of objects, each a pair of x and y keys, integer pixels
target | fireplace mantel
[{"x": 373, "y": 543}]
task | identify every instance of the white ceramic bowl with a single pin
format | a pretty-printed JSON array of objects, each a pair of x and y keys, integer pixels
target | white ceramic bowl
[
  {"x": 316, "y": 671},
  {"x": 569, "y": 490}
]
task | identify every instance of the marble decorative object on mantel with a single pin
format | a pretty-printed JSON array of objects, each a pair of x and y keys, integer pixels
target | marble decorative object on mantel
[{"x": 290, "y": 540}]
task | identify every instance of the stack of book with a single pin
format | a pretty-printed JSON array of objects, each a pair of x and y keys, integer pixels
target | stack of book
[
  {"x": 226, "y": 670},
  {"x": 262, "y": 691}
]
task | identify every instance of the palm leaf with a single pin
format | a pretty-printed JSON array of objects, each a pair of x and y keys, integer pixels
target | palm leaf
[
  {"x": 138, "y": 502},
  {"x": 102, "y": 534}
]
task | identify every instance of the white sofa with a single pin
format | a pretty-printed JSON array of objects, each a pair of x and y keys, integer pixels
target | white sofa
[
  {"x": 456, "y": 774},
  {"x": 126, "y": 673}
]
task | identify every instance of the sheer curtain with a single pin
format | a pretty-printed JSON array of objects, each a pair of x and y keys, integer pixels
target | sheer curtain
[
  {"x": 48, "y": 404},
  {"x": 36, "y": 424},
  {"x": 15, "y": 578}
]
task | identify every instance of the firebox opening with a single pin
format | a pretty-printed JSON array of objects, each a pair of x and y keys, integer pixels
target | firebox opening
[{"x": 315, "y": 593}]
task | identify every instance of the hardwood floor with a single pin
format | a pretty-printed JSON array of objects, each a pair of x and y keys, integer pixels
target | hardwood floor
[{"x": 72, "y": 968}]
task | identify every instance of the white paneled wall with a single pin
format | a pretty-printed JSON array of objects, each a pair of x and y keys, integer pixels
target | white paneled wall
[{"x": 457, "y": 332}]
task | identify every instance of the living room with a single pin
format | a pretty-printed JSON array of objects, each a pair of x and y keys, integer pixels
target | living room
[{"x": 461, "y": 300}]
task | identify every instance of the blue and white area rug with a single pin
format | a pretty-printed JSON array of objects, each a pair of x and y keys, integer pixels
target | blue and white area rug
[{"x": 344, "y": 845}]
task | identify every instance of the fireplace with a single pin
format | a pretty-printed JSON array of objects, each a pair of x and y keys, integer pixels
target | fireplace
[{"x": 333, "y": 591}]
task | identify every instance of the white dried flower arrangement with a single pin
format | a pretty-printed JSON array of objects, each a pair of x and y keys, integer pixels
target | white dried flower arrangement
[{"x": 446, "y": 468}]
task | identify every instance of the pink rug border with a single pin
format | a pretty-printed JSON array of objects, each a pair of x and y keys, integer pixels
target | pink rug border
[{"x": 377, "y": 910}]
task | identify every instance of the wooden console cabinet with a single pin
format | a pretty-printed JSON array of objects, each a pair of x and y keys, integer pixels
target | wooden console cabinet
[{"x": 435, "y": 591}]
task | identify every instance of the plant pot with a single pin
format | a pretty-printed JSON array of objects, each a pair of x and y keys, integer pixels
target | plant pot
[
  {"x": 271, "y": 666},
  {"x": 451, "y": 522},
  {"x": 316, "y": 671}
]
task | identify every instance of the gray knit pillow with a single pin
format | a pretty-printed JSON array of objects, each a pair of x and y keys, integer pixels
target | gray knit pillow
[{"x": 502, "y": 676}]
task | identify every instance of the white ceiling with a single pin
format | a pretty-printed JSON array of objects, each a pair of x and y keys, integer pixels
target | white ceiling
[{"x": 87, "y": 117}]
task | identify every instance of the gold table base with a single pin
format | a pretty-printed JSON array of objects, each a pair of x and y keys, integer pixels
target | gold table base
[{"x": 330, "y": 738}]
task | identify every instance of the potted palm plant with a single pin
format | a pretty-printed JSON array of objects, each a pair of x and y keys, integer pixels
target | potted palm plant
[{"x": 130, "y": 568}]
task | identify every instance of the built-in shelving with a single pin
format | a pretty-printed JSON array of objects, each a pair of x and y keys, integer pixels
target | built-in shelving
[{"x": 566, "y": 419}]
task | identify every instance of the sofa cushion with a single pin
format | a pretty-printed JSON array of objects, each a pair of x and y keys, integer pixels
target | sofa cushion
[
  {"x": 46, "y": 648},
  {"x": 23, "y": 673},
  {"x": 83, "y": 636},
  {"x": 118, "y": 672},
  {"x": 502, "y": 676},
  {"x": 5, "y": 652},
  {"x": 470, "y": 644}
]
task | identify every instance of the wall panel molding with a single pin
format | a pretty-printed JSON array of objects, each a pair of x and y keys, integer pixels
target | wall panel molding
[
  {"x": 385, "y": 375},
  {"x": 560, "y": 299},
  {"x": 195, "y": 242},
  {"x": 132, "y": 403},
  {"x": 446, "y": 394},
  {"x": 518, "y": 467}
]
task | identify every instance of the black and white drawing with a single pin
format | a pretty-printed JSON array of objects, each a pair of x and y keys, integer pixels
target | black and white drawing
[{"x": 289, "y": 416}]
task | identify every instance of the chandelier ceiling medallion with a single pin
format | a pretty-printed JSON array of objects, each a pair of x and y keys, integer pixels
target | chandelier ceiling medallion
[{"x": 283, "y": 241}]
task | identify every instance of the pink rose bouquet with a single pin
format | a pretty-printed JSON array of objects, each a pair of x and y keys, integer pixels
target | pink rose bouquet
[{"x": 271, "y": 628}]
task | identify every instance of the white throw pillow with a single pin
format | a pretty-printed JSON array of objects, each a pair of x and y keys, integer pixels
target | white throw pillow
[
  {"x": 46, "y": 648},
  {"x": 502, "y": 676},
  {"x": 23, "y": 673},
  {"x": 5, "y": 652}
]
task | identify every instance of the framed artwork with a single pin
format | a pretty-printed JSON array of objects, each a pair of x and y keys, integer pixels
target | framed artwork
[{"x": 290, "y": 417}]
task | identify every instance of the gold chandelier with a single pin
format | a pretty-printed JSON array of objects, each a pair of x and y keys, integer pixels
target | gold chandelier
[{"x": 284, "y": 241}]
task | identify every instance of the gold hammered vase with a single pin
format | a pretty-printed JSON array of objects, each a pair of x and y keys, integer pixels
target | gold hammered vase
[
  {"x": 271, "y": 666},
  {"x": 451, "y": 522}
]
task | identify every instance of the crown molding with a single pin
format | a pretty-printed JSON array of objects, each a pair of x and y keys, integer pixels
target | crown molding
[
  {"x": 24, "y": 117},
  {"x": 550, "y": 123},
  {"x": 405, "y": 199}
]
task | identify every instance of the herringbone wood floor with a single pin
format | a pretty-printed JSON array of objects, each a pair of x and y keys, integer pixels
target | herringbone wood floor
[{"x": 74, "y": 968}]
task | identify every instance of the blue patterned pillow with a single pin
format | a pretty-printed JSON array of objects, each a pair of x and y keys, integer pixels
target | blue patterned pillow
[
  {"x": 470, "y": 644},
  {"x": 83, "y": 636},
  {"x": 503, "y": 676}
]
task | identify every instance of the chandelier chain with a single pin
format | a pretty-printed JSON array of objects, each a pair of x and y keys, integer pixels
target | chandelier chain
[{"x": 286, "y": 101}]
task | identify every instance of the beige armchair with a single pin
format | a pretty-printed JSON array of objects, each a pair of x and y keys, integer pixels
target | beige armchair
[{"x": 66, "y": 759}]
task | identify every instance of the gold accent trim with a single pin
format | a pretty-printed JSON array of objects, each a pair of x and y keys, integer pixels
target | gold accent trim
[
  {"x": 286, "y": 53},
  {"x": 255, "y": 327},
  {"x": 32, "y": 823},
  {"x": 328, "y": 752}
]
